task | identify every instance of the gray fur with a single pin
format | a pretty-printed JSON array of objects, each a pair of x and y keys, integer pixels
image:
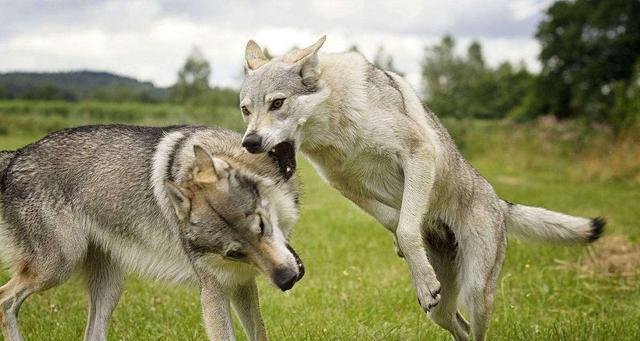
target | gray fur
[
  {"x": 367, "y": 133},
  {"x": 5, "y": 158},
  {"x": 95, "y": 198}
]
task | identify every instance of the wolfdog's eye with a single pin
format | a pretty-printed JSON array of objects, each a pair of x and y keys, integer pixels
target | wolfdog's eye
[
  {"x": 234, "y": 254},
  {"x": 276, "y": 104},
  {"x": 261, "y": 226},
  {"x": 245, "y": 111}
]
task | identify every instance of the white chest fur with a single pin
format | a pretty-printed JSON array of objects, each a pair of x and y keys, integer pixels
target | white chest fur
[{"x": 371, "y": 173}]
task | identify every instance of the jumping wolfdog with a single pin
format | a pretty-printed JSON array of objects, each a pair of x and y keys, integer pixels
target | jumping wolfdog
[
  {"x": 184, "y": 204},
  {"x": 367, "y": 133}
]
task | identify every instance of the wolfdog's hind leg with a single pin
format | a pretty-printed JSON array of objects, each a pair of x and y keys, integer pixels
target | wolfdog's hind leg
[
  {"x": 41, "y": 271},
  {"x": 442, "y": 253},
  {"x": 482, "y": 255},
  {"x": 105, "y": 279},
  {"x": 12, "y": 295},
  {"x": 8, "y": 318}
]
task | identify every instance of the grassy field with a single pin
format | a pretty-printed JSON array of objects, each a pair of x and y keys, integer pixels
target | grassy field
[
  {"x": 38, "y": 117},
  {"x": 356, "y": 288}
]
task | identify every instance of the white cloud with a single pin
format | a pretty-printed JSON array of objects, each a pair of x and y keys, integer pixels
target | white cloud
[
  {"x": 150, "y": 39},
  {"x": 523, "y": 9},
  {"x": 82, "y": 44}
]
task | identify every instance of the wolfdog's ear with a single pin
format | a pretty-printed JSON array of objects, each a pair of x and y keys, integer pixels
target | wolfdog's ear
[
  {"x": 306, "y": 61},
  {"x": 254, "y": 56},
  {"x": 180, "y": 199},
  {"x": 207, "y": 169}
]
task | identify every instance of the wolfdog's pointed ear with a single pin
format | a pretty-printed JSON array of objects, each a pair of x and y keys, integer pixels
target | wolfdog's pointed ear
[
  {"x": 254, "y": 56},
  {"x": 180, "y": 198},
  {"x": 307, "y": 61},
  {"x": 207, "y": 169}
]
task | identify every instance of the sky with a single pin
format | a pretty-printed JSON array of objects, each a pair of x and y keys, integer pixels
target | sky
[{"x": 150, "y": 40}]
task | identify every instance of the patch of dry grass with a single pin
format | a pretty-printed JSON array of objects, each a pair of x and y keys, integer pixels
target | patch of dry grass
[
  {"x": 617, "y": 159},
  {"x": 611, "y": 256},
  {"x": 583, "y": 152}
]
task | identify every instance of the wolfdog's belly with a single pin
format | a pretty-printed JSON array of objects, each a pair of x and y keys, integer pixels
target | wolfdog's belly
[
  {"x": 152, "y": 251},
  {"x": 159, "y": 256},
  {"x": 368, "y": 175}
]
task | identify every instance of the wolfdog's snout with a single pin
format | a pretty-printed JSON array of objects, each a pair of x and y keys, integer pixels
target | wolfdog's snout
[
  {"x": 253, "y": 143},
  {"x": 286, "y": 276}
]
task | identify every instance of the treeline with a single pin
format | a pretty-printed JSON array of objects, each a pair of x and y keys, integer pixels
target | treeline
[
  {"x": 590, "y": 61},
  {"x": 590, "y": 70},
  {"x": 464, "y": 86},
  {"x": 192, "y": 87},
  {"x": 77, "y": 86}
]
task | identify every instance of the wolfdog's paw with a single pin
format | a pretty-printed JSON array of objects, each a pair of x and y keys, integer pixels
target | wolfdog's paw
[{"x": 428, "y": 298}]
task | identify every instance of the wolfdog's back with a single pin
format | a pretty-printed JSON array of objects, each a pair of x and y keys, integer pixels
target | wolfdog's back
[{"x": 80, "y": 187}]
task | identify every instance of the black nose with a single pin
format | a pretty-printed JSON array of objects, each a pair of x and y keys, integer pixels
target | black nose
[
  {"x": 253, "y": 143},
  {"x": 285, "y": 278}
]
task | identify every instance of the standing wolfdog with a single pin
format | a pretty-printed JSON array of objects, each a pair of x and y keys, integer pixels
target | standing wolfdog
[
  {"x": 177, "y": 203},
  {"x": 367, "y": 133}
]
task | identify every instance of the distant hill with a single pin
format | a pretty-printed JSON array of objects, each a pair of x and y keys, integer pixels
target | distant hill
[{"x": 77, "y": 85}]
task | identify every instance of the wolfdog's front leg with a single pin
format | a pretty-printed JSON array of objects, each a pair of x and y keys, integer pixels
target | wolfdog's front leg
[
  {"x": 419, "y": 172},
  {"x": 105, "y": 282},
  {"x": 244, "y": 300},
  {"x": 215, "y": 311}
]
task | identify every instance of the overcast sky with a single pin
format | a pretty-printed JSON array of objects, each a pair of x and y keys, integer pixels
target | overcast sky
[{"x": 150, "y": 40}]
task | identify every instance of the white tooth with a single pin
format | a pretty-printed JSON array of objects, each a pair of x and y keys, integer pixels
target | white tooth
[
  {"x": 288, "y": 169},
  {"x": 273, "y": 150}
]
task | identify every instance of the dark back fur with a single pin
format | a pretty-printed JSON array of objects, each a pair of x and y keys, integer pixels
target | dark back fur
[
  {"x": 5, "y": 159},
  {"x": 103, "y": 172}
]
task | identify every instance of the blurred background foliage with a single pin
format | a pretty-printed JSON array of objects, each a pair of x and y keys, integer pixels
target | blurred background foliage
[
  {"x": 588, "y": 85},
  {"x": 590, "y": 61},
  {"x": 590, "y": 70}
]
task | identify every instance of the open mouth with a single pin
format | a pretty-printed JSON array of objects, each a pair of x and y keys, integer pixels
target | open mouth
[
  {"x": 298, "y": 261},
  {"x": 284, "y": 154}
]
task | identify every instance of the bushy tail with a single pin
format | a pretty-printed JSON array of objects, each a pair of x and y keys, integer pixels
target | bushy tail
[{"x": 539, "y": 224}]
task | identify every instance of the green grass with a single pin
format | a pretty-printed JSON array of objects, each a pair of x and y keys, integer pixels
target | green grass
[
  {"x": 39, "y": 117},
  {"x": 356, "y": 288}
]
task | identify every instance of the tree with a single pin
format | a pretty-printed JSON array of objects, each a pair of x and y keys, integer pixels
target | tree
[
  {"x": 466, "y": 87},
  {"x": 477, "y": 88},
  {"x": 625, "y": 113},
  {"x": 587, "y": 47},
  {"x": 514, "y": 84},
  {"x": 440, "y": 76},
  {"x": 474, "y": 56},
  {"x": 3, "y": 92},
  {"x": 383, "y": 60},
  {"x": 193, "y": 78}
]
